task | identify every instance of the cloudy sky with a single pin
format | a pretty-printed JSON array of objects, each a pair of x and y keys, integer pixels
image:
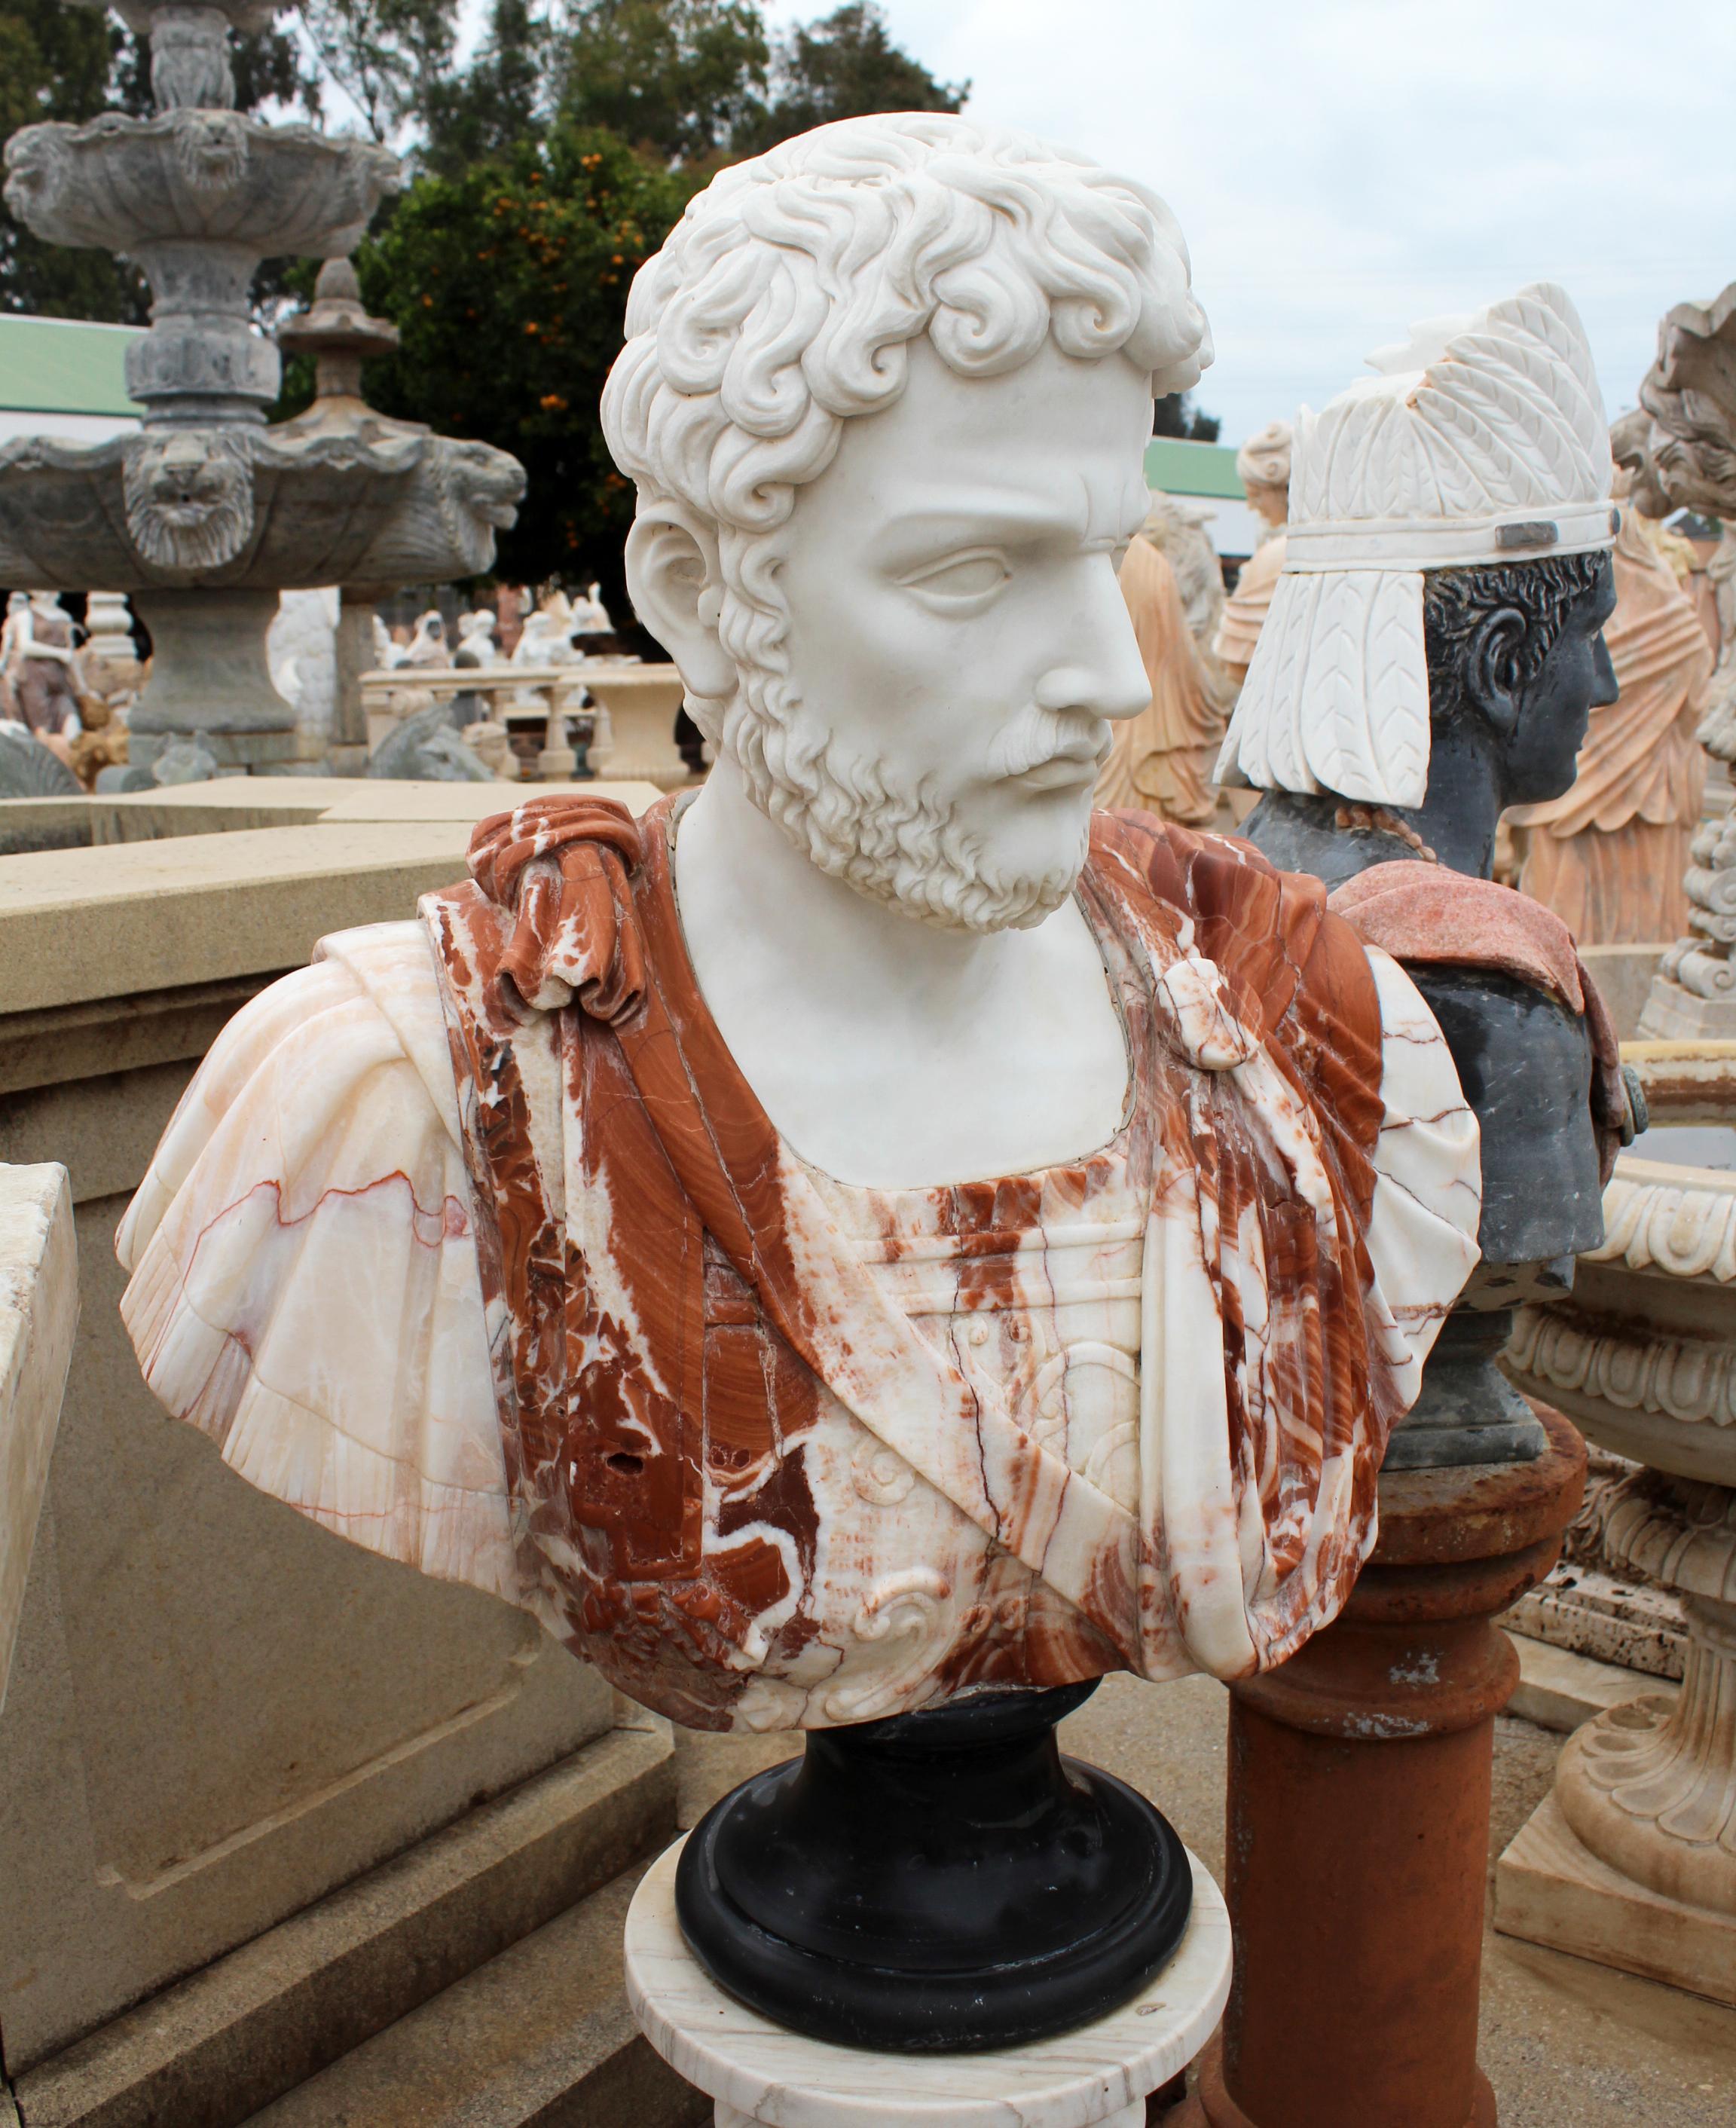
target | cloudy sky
[{"x": 1342, "y": 167}]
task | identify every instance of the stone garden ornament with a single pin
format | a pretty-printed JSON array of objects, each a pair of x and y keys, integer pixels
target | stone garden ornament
[
  {"x": 1433, "y": 655},
  {"x": 872, "y": 1246}
]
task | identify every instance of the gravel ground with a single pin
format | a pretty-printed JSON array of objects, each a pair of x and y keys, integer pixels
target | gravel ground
[{"x": 1566, "y": 2044}]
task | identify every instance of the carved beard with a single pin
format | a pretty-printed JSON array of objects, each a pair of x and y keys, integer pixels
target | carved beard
[{"x": 891, "y": 841}]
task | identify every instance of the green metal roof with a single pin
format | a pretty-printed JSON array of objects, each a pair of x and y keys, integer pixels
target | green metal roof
[
  {"x": 1183, "y": 469},
  {"x": 63, "y": 366}
]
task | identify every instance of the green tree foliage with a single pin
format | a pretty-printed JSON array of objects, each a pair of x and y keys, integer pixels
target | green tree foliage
[
  {"x": 64, "y": 63},
  {"x": 388, "y": 57},
  {"x": 501, "y": 98},
  {"x": 848, "y": 67},
  {"x": 682, "y": 79},
  {"x": 555, "y": 164},
  {"x": 507, "y": 283},
  {"x": 58, "y": 62},
  {"x": 1176, "y": 415}
]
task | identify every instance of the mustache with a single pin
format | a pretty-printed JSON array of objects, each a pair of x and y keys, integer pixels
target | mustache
[{"x": 1037, "y": 735}]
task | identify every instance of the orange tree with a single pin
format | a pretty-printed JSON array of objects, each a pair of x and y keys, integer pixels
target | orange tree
[{"x": 508, "y": 281}]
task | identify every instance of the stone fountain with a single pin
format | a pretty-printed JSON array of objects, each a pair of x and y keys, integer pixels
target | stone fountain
[
  {"x": 206, "y": 512},
  {"x": 1631, "y": 1858}
]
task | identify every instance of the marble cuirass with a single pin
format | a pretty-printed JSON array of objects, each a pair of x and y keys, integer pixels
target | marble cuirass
[{"x": 477, "y": 1247}]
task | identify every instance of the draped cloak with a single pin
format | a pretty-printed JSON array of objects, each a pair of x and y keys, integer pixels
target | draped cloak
[
  {"x": 668, "y": 1309},
  {"x": 720, "y": 1463}
]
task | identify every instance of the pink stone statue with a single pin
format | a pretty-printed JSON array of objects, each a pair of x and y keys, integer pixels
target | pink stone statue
[
  {"x": 1160, "y": 761},
  {"x": 1608, "y": 857},
  {"x": 1264, "y": 464}
]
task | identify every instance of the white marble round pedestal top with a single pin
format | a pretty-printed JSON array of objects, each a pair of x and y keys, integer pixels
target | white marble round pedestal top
[{"x": 758, "y": 2072}]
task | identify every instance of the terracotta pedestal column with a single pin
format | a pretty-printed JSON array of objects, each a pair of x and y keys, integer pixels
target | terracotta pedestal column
[{"x": 1359, "y": 1817}]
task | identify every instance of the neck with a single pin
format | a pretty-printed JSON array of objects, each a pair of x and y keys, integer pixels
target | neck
[
  {"x": 754, "y": 904},
  {"x": 1463, "y": 805}
]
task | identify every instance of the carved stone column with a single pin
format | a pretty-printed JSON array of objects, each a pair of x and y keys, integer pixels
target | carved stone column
[{"x": 1359, "y": 1809}]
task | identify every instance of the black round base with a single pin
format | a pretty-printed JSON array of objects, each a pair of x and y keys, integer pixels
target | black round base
[{"x": 935, "y": 1883}]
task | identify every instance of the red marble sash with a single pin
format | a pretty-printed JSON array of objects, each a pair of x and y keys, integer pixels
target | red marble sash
[{"x": 659, "y": 1350}]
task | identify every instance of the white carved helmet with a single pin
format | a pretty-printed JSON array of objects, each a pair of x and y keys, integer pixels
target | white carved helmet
[{"x": 1481, "y": 439}]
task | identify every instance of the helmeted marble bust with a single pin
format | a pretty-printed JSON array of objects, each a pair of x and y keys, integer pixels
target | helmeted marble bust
[
  {"x": 1433, "y": 654},
  {"x": 873, "y": 1230}
]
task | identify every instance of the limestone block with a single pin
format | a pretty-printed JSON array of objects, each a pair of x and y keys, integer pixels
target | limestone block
[
  {"x": 1590, "y": 1613},
  {"x": 541, "y": 2038},
  {"x": 471, "y": 802},
  {"x": 98, "y": 1038},
  {"x": 219, "y": 1712},
  {"x": 264, "y": 2019},
  {"x": 221, "y": 807},
  {"x": 39, "y": 1309},
  {"x": 1559, "y": 1690},
  {"x": 29, "y": 824},
  {"x": 153, "y": 916},
  {"x": 1622, "y": 975},
  {"x": 106, "y": 1128},
  {"x": 1549, "y": 1889}
]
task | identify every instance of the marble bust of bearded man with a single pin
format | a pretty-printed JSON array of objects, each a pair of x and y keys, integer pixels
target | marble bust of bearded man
[{"x": 872, "y": 1230}]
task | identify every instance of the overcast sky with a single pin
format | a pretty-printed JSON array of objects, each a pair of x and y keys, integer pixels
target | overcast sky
[{"x": 1343, "y": 167}]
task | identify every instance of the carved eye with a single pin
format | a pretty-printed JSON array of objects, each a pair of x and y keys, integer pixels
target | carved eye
[{"x": 965, "y": 578}]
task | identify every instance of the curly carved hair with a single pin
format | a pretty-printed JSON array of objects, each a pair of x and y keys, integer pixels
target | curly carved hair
[
  {"x": 785, "y": 302},
  {"x": 1457, "y": 601}
]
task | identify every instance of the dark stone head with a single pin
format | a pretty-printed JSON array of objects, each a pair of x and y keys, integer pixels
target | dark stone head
[{"x": 1517, "y": 661}]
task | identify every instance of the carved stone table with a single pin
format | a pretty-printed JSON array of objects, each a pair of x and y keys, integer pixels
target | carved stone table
[
  {"x": 635, "y": 739},
  {"x": 1358, "y": 1812},
  {"x": 759, "y": 2072}
]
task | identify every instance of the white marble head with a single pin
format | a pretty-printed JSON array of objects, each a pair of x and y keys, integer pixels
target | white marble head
[{"x": 884, "y": 397}]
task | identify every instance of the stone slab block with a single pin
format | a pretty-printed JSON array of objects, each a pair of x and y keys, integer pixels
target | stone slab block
[
  {"x": 1672, "y": 1013},
  {"x": 260, "y": 2021},
  {"x": 39, "y": 1311},
  {"x": 1559, "y": 1690},
  {"x": 105, "y": 1129},
  {"x": 77, "y": 925},
  {"x": 28, "y": 825},
  {"x": 226, "y": 804},
  {"x": 218, "y": 1711},
  {"x": 540, "y": 2038},
  {"x": 1588, "y": 1612},
  {"x": 1549, "y": 1889},
  {"x": 98, "y": 1037},
  {"x": 1622, "y": 975},
  {"x": 471, "y": 802}
]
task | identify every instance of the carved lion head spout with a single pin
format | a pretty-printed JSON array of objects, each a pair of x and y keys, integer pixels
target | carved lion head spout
[
  {"x": 482, "y": 482},
  {"x": 189, "y": 498},
  {"x": 211, "y": 147}
]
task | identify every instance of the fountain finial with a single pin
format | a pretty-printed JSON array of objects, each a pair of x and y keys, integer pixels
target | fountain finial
[{"x": 336, "y": 330}]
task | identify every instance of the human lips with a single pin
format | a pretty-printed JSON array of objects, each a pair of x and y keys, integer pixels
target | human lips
[
  {"x": 1052, "y": 750},
  {"x": 1060, "y": 771}
]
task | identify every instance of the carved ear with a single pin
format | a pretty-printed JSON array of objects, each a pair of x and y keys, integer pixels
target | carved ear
[
  {"x": 1492, "y": 684},
  {"x": 674, "y": 581}
]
